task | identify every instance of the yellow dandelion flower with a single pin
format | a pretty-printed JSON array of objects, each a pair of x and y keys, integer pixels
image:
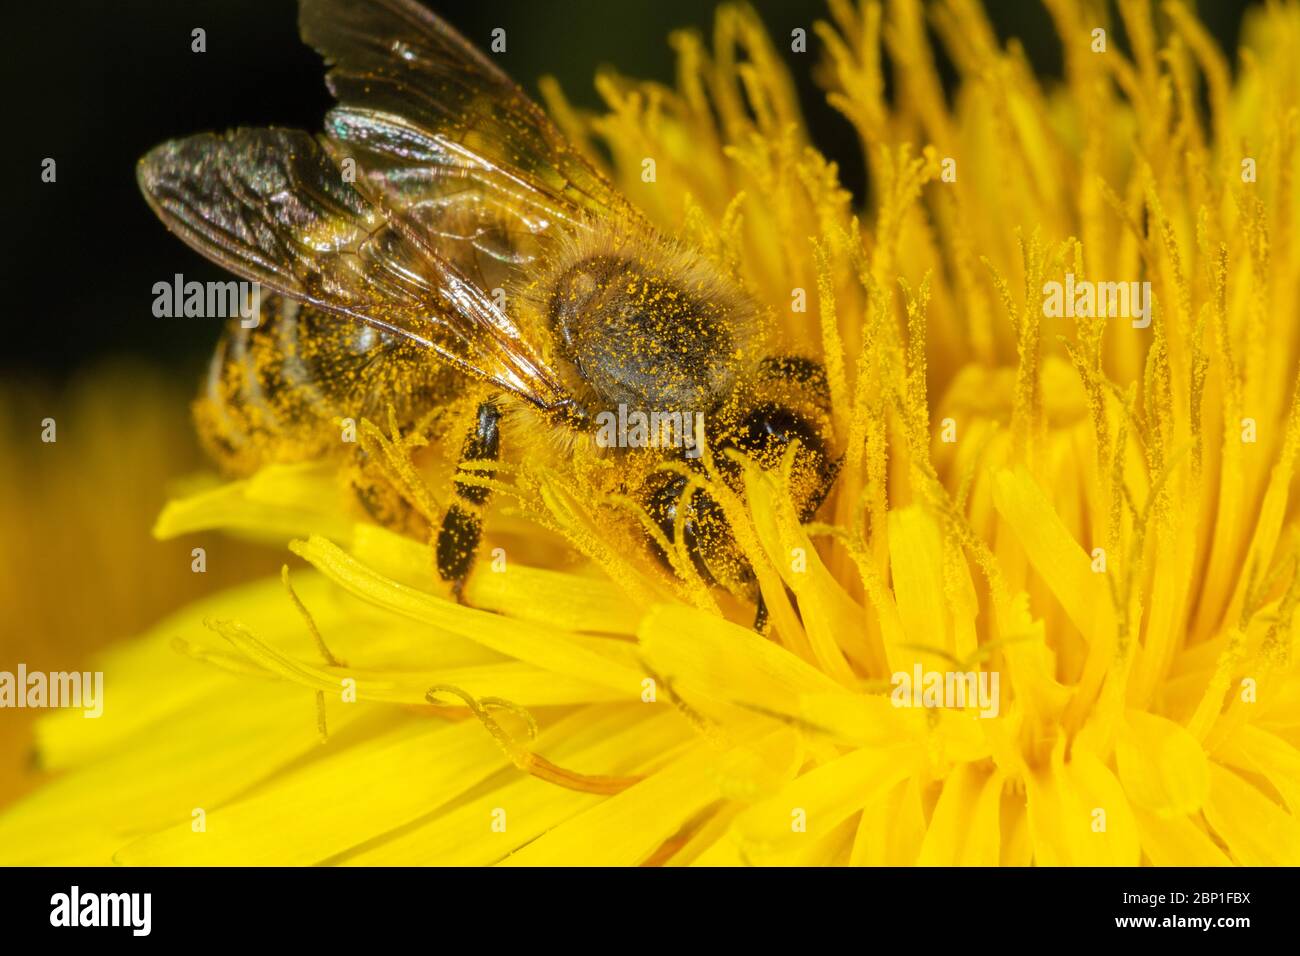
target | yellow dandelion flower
[{"x": 1045, "y": 615}]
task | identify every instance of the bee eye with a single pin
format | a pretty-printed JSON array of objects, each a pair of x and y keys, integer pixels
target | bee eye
[
  {"x": 763, "y": 435},
  {"x": 765, "y": 432},
  {"x": 803, "y": 373},
  {"x": 704, "y": 526}
]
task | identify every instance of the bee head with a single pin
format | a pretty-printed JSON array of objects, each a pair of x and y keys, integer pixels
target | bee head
[{"x": 787, "y": 404}]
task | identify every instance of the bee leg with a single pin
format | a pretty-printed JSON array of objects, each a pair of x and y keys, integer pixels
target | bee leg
[
  {"x": 374, "y": 492},
  {"x": 760, "y": 614},
  {"x": 462, "y": 525}
]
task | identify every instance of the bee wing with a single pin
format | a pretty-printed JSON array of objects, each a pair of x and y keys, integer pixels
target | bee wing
[
  {"x": 271, "y": 206},
  {"x": 435, "y": 124}
]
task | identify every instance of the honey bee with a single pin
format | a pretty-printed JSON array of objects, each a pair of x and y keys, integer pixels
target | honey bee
[{"x": 443, "y": 251}]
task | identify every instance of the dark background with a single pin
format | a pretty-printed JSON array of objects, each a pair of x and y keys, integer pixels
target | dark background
[{"x": 96, "y": 84}]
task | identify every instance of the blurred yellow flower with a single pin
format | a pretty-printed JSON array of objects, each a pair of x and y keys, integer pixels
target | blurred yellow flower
[
  {"x": 1094, "y": 510},
  {"x": 78, "y": 567}
]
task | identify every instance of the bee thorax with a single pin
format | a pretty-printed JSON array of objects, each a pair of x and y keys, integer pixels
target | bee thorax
[{"x": 636, "y": 336}]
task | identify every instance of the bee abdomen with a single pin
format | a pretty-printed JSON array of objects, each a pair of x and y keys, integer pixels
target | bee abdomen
[{"x": 297, "y": 385}]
